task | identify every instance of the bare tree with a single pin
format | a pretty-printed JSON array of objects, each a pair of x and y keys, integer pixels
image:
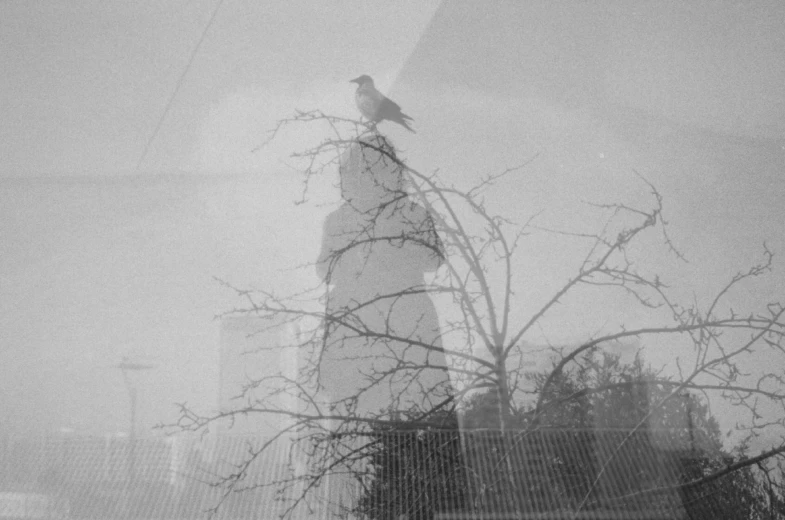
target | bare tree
[{"x": 371, "y": 353}]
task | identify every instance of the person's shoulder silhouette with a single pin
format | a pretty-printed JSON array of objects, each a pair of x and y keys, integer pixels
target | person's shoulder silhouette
[{"x": 378, "y": 238}]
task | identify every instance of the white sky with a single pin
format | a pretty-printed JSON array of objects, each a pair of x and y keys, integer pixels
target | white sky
[{"x": 102, "y": 260}]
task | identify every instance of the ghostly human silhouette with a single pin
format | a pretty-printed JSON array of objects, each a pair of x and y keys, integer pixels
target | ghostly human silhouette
[{"x": 385, "y": 355}]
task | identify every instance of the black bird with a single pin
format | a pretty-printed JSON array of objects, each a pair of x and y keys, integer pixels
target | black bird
[{"x": 375, "y": 106}]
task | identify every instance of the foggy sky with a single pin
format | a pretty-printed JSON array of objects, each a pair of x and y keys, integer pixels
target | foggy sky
[{"x": 102, "y": 261}]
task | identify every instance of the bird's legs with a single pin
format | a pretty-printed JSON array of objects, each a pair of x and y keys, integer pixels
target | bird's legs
[{"x": 370, "y": 124}]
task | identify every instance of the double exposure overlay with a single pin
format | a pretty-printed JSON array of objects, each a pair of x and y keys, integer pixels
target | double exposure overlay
[{"x": 392, "y": 261}]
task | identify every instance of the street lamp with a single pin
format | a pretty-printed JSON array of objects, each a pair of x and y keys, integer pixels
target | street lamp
[{"x": 127, "y": 366}]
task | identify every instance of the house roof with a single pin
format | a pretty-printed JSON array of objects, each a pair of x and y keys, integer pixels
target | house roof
[
  {"x": 561, "y": 473},
  {"x": 159, "y": 478}
]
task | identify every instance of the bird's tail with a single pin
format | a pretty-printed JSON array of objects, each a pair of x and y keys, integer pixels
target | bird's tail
[{"x": 405, "y": 122}]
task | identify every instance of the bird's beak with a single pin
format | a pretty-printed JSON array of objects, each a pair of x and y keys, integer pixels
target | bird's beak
[{"x": 355, "y": 80}]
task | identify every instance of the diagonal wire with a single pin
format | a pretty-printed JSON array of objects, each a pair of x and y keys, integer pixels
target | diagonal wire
[{"x": 177, "y": 86}]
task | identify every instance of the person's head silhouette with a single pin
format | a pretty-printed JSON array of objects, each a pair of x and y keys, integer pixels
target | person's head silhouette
[{"x": 370, "y": 174}]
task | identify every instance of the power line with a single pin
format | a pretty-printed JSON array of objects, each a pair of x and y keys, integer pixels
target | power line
[{"x": 177, "y": 87}]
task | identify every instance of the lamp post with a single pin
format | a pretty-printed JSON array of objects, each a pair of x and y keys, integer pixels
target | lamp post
[
  {"x": 127, "y": 366},
  {"x": 690, "y": 428}
]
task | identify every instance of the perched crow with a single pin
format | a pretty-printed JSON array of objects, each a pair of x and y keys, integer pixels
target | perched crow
[{"x": 375, "y": 106}]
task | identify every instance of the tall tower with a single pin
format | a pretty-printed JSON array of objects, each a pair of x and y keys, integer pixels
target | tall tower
[{"x": 255, "y": 353}]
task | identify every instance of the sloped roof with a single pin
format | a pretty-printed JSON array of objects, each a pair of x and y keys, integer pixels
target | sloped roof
[
  {"x": 541, "y": 474},
  {"x": 173, "y": 477}
]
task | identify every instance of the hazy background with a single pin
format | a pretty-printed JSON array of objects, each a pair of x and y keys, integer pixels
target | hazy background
[{"x": 127, "y": 186}]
